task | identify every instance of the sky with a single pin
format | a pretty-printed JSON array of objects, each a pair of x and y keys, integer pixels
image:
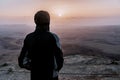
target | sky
[{"x": 25, "y": 9}]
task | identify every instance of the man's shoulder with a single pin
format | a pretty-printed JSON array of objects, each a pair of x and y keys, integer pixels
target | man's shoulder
[
  {"x": 54, "y": 34},
  {"x": 29, "y": 35}
]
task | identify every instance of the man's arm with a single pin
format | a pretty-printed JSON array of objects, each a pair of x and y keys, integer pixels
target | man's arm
[
  {"x": 58, "y": 53},
  {"x": 59, "y": 58},
  {"x": 22, "y": 55}
]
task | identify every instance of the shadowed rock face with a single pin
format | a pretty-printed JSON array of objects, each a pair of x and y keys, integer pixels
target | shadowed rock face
[
  {"x": 74, "y": 40},
  {"x": 10, "y": 43}
]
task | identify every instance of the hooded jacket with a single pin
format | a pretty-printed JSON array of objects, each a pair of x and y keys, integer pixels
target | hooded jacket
[{"x": 46, "y": 55}]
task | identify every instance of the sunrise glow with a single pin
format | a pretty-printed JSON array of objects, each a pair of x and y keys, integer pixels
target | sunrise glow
[
  {"x": 22, "y": 10},
  {"x": 59, "y": 14}
]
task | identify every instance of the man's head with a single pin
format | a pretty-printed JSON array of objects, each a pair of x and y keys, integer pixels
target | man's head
[{"x": 42, "y": 17}]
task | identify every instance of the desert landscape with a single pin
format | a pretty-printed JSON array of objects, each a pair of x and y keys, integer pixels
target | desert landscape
[
  {"x": 90, "y": 53},
  {"x": 89, "y": 32}
]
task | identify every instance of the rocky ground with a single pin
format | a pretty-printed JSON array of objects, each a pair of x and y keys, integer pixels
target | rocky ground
[
  {"x": 103, "y": 42},
  {"x": 76, "y": 67}
]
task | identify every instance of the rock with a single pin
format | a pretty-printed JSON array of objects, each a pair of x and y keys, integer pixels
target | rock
[{"x": 76, "y": 67}]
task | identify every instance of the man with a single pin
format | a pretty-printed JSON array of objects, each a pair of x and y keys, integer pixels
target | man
[{"x": 41, "y": 52}]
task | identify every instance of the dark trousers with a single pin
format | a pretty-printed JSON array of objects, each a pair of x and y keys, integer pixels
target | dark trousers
[{"x": 56, "y": 78}]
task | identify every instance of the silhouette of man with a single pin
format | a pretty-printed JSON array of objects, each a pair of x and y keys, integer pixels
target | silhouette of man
[{"x": 42, "y": 48}]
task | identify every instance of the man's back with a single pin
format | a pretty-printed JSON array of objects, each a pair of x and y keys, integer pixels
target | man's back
[{"x": 42, "y": 49}]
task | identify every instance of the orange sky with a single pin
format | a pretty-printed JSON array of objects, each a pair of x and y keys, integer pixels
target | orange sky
[{"x": 65, "y": 8}]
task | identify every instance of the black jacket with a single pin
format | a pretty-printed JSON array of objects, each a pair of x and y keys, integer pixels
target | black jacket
[{"x": 41, "y": 48}]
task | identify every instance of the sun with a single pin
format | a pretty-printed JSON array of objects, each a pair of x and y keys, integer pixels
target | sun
[{"x": 60, "y": 14}]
